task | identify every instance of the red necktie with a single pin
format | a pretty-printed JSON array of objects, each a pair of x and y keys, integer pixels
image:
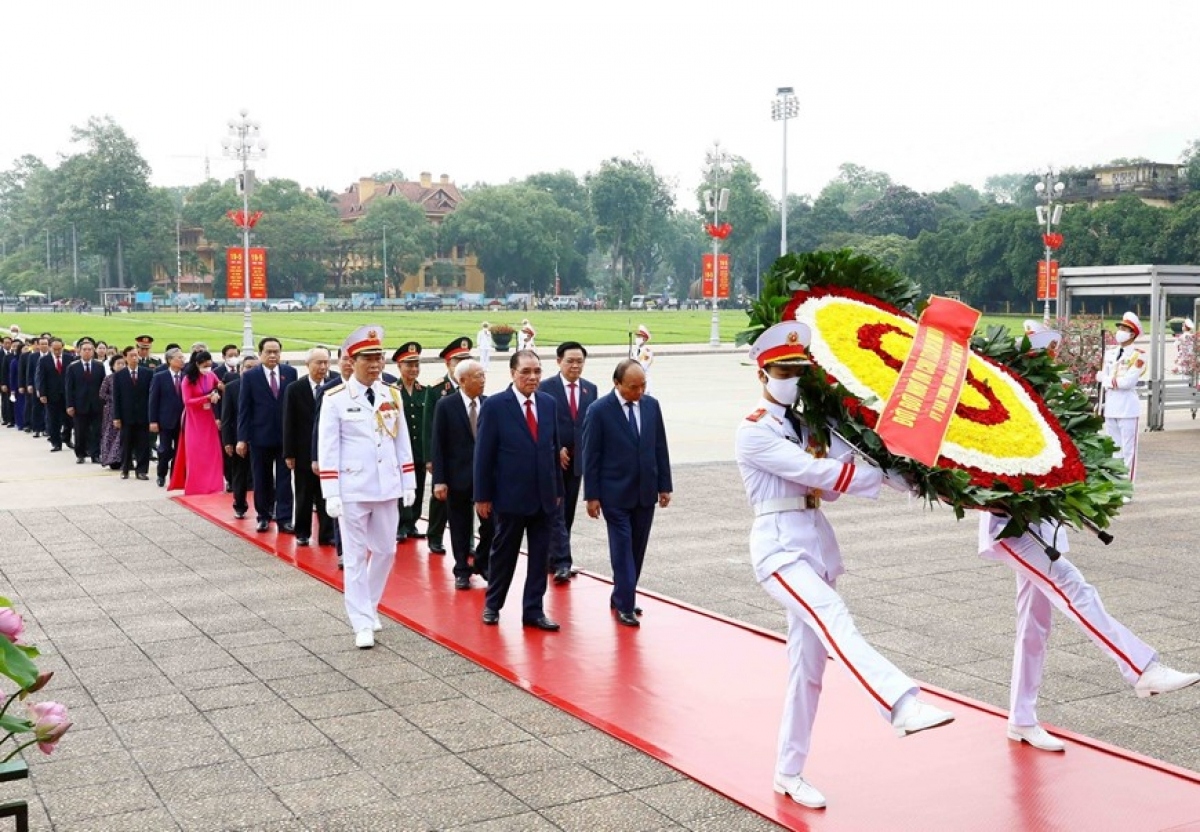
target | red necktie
[
  {"x": 274, "y": 385},
  {"x": 574, "y": 404},
  {"x": 58, "y": 365},
  {"x": 133, "y": 376},
  {"x": 87, "y": 371},
  {"x": 177, "y": 383},
  {"x": 530, "y": 419}
]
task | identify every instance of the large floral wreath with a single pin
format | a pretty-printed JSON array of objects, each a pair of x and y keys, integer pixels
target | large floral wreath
[{"x": 1021, "y": 440}]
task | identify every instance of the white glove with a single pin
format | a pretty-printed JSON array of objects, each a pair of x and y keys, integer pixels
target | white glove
[
  {"x": 408, "y": 498},
  {"x": 333, "y": 506}
]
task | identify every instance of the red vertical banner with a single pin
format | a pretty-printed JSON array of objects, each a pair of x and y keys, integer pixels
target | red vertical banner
[
  {"x": 723, "y": 275},
  {"x": 235, "y": 274},
  {"x": 707, "y": 276},
  {"x": 1041, "y": 281},
  {"x": 917, "y": 413},
  {"x": 258, "y": 274}
]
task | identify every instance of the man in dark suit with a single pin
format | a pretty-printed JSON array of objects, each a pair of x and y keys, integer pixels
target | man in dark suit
[
  {"x": 345, "y": 367},
  {"x": 166, "y": 410},
  {"x": 84, "y": 405},
  {"x": 412, "y": 395},
  {"x": 517, "y": 476},
  {"x": 238, "y": 467},
  {"x": 131, "y": 411},
  {"x": 6, "y": 406},
  {"x": 26, "y": 367},
  {"x": 298, "y": 421},
  {"x": 454, "y": 352},
  {"x": 50, "y": 384},
  {"x": 229, "y": 362},
  {"x": 455, "y": 423},
  {"x": 260, "y": 434},
  {"x": 626, "y": 473},
  {"x": 573, "y": 395}
]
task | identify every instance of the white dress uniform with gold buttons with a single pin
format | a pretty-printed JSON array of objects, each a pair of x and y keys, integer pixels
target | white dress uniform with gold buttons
[
  {"x": 643, "y": 354},
  {"x": 797, "y": 561},
  {"x": 1124, "y": 366},
  {"x": 366, "y": 460}
]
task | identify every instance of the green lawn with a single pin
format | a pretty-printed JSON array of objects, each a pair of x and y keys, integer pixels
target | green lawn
[{"x": 299, "y": 330}]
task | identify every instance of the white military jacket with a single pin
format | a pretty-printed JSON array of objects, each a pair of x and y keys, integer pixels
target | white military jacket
[
  {"x": 1120, "y": 377},
  {"x": 782, "y": 478},
  {"x": 363, "y": 451}
]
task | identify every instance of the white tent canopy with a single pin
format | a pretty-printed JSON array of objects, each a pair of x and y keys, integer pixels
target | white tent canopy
[{"x": 1158, "y": 283}]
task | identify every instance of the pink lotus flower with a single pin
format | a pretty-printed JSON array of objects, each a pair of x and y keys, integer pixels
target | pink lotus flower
[
  {"x": 11, "y": 624},
  {"x": 49, "y": 724}
]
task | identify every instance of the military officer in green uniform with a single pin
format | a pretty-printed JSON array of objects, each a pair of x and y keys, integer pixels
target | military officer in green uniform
[
  {"x": 408, "y": 365},
  {"x": 455, "y": 351},
  {"x": 145, "y": 359}
]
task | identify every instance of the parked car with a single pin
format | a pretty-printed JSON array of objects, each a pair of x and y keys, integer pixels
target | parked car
[
  {"x": 564, "y": 302},
  {"x": 287, "y": 306},
  {"x": 637, "y": 302},
  {"x": 423, "y": 302}
]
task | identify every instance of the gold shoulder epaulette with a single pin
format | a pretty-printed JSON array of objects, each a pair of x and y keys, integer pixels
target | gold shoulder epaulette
[{"x": 337, "y": 389}]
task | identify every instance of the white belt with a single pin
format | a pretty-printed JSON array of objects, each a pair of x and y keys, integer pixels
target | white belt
[{"x": 803, "y": 502}]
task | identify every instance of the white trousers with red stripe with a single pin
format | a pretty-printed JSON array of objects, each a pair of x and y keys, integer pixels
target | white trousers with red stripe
[
  {"x": 1125, "y": 433},
  {"x": 368, "y": 533},
  {"x": 1042, "y": 586},
  {"x": 820, "y": 626}
]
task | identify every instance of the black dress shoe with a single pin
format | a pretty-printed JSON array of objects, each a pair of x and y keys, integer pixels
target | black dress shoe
[
  {"x": 491, "y": 616},
  {"x": 341, "y": 565},
  {"x": 462, "y": 582},
  {"x": 636, "y": 610},
  {"x": 262, "y": 526},
  {"x": 542, "y": 623},
  {"x": 239, "y": 515},
  {"x": 628, "y": 619},
  {"x": 124, "y": 475},
  {"x": 437, "y": 549},
  {"x": 143, "y": 476},
  {"x": 301, "y": 541},
  {"x": 95, "y": 460},
  {"x": 416, "y": 535},
  {"x": 286, "y": 528},
  {"x": 562, "y": 575},
  {"x": 78, "y": 460},
  {"x": 160, "y": 481},
  {"x": 56, "y": 449},
  {"x": 329, "y": 542}
]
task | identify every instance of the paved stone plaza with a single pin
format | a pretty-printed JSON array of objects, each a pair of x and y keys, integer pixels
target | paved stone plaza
[{"x": 213, "y": 687}]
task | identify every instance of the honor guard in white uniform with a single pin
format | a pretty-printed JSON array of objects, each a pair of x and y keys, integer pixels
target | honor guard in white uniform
[
  {"x": 366, "y": 464},
  {"x": 796, "y": 558},
  {"x": 483, "y": 340},
  {"x": 525, "y": 341},
  {"x": 642, "y": 353},
  {"x": 1124, "y": 366}
]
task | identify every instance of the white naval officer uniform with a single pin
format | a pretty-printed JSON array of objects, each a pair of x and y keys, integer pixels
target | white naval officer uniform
[
  {"x": 366, "y": 459},
  {"x": 797, "y": 561},
  {"x": 1122, "y": 372},
  {"x": 1041, "y": 586}
]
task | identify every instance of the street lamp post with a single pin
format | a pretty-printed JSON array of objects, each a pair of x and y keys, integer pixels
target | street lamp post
[
  {"x": 243, "y": 143},
  {"x": 1048, "y": 216},
  {"x": 716, "y": 201},
  {"x": 785, "y": 106}
]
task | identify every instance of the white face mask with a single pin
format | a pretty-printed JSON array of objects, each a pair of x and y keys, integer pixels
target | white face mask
[
  {"x": 783, "y": 390},
  {"x": 206, "y": 370},
  {"x": 1124, "y": 336}
]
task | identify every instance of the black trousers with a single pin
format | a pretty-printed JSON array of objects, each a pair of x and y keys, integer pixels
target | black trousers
[
  {"x": 308, "y": 497},
  {"x": 460, "y": 510},
  {"x": 87, "y": 434},
  {"x": 506, "y": 549},
  {"x": 35, "y": 413},
  {"x": 272, "y": 484},
  {"x": 56, "y": 417},
  {"x": 437, "y": 522},
  {"x": 560, "y": 537},
  {"x": 135, "y": 448},
  {"x": 410, "y": 514},
  {"x": 6, "y": 407},
  {"x": 239, "y": 480},
  {"x": 168, "y": 444}
]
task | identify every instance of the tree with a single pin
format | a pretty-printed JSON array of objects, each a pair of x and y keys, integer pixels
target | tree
[
  {"x": 569, "y": 193},
  {"x": 749, "y": 213},
  {"x": 630, "y": 203},
  {"x": 411, "y": 239},
  {"x": 899, "y": 210},
  {"x": 854, "y": 187},
  {"x": 390, "y": 175},
  {"x": 1190, "y": 159},
  {"x": 1011, "y": 189}
]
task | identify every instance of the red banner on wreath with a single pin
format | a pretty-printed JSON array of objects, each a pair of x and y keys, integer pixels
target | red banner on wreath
[
  {"x": 722, "y": 276},
  {"x": 235, "y": 274},
  {"x": 917, "y": 414}
]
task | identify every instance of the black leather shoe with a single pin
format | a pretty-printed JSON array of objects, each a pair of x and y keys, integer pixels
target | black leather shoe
[
  {"x": 160, "y": 481},
  {"x": 56, "y": 449},
  {"x": 542, "y": 623},
  {"x": 490, "y": 616},
  {"x": 401, "y": 537},
  {"x": 95, "y": 460},
  {"x": 437, "y": 549},
  {"x": 124, "y": 475},
  {"x": 341, "y": 565},
  {"x": 562, "y": 575},
  {"x": 328, "y": 542},
  {"x": 70, "y": 444},
  {"x": 416, "y": 535},
  {"x": 143, "y": 476},
  {"x": 286, "y": 528},
  {"x": 628, "y": 619},
  {"x": 462, "y": 582},
  {"x": 239, "y": 515},
  {"x": 78, "y": 460},
  {"x": 262, "y": 526},
  {"x": 613, "y": 607},
  {"x": 301, "y": 541}
]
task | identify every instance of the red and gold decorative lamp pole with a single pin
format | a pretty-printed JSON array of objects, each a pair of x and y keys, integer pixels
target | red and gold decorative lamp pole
[
  {"x": 1049, "y": 215},
  {"x": 243, "y": 143}
]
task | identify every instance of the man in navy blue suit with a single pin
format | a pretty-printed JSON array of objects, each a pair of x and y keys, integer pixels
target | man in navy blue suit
[
  {"x": 518, "y": 482},
  {"x": 166, "y": 410},
  {"x": 84, "y": 406},
  {"x": 626, "y": 473},
  {"x": 260, "y": 434},
  {"x": 131, "y": 409},
  {"x": 50, "y": 382},
  {"x": 573, "y": 395}
]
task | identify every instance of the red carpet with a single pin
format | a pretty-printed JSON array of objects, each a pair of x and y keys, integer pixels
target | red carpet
[{"x": 703, "y": 694}]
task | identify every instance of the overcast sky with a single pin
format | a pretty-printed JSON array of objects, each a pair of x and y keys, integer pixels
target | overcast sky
[{"x": 929, "y": 92}]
